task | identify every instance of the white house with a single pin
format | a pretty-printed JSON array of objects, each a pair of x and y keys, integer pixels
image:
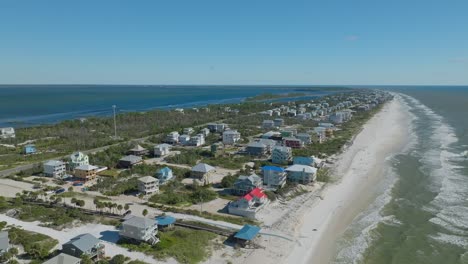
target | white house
[
  {"x": 148, "y": 185},
  {"x": 249, "y": 204},
  {"x": 184, "y": 139},
  {"x": 197, "y": 140},
  {"x": 7, "y": 132},
  {"x": 140, "y": 229},
  {"x": 281, "y": 155},
  {"x": 54, "y": 168},
  {"x": 231, "y": 137},
  {"x": 301, "y": 173},
  {"x": 78, "y": 159},
  {"x": 162, "y": 150},
  {"x": 172, "y": 138},
  {"x": 267, "y": 124},
  {"x": 188, "y": 130}
]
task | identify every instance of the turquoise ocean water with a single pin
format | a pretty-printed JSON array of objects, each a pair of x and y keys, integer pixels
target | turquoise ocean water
[{"x": 421, "y": 215}]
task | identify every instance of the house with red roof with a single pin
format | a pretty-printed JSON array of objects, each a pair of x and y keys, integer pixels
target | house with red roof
[{"x": 249, "y": 204}]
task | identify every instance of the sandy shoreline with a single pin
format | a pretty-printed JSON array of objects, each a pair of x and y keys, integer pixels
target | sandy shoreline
[{"x": 357, "y": 170}]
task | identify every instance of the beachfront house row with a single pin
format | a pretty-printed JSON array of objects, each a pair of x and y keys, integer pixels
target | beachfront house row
[
  {"x": 281, "y": 155},
  {"x": 30, "y": 149},
  {"x": 301, "y": 173},
  {"x": 86, "y": 172},
  {"x": 304, "y": 137},
  {"x": 148, "y": 185},
  {"x": 164, "y": 175},
  {"x": 268, "y": 124},
  {"x": 4, "y": 242},
  {"x": 7, "y": 132},
  {"x": 84, "y": 244},
  {"x": 245, "y": 184},
  {"x": 130, "y": 161},
  {"x": 78, "y": 159},
  {"x": 140, "y": 229},
  {"x": 162, "y": 150},
  {"x": 249, "y": 204},
  {"x": 138, "y": 151},
  {"x": 172, "y": 138},
  {"x": 293, "y": 142},
  {"x": 202, "y": 172},
  {"x": 274, "y": 177},
  {"x": 231, "y": 137},
  {"x": 63, "y": 258},
  {"x": 256, "y": 149},
  {"x": 54, "y": 168}
]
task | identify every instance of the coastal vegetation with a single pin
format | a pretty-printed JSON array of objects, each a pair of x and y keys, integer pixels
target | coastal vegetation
[
  {"x": 184, "y": 245},
  {"x": 269, "y": 96}
]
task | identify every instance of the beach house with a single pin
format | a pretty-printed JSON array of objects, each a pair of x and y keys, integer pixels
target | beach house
[
  {"x": 304, "y": 137},
  {"x": 7, "y": 132},
  {"x": 78, "y": 159},
  {"x": 205, "y": 131},
  {"x": 148, "y": 185},
  {"x": 216, "y": 127},
  {"x": 140, "y": 229},
  {"x": 130, "y": 161},
  {"x": 249, "y": 204},
  {"x": 278, "y": 122},
  {"x": 231, "y": 137},
  {"x": 245, "y": 184},
  {"x": 281, "y": 155},
  {"x": 184, "y": 139},
  {"x": 273, "y": 177},
  {"x": 172, "y": 138},
  {"x": 188, "y": 130},
  {"x": 301, "y": 173},
  {"x": 138, "y": 151},
  {"x": 84, "y": 244},
  {"x": 86, "y": 172},
  {"x": 162, "y": 150},
  {"x": 30, "y": 149},
  {"x": 4, "y": 242},
  {"x": 63, "y": 258},
  {"x": 54, "y": 168},
  {"x": 293, "y": 142},
  {"x": 268, "y": 124},
  {"x": 309, "y": 161},
  {"x": 164, "y": 175},
  {"x": 256, "y": 149},
  {"x": 197, "y": 140},
  {"x": 202, "y": 172}
]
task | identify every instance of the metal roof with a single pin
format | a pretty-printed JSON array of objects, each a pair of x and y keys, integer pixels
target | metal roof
[
  {"x": 83, "y": 242},
  {"x": 202, "y": 167},
  {"x": 140, "y": 222},
  {"x": 272, "y": 168},
  {"x": 301, "y": 168},
  {"x": 147, "y": 179},
  {"x": 54, "y": 163},
  {"x": 63, "y": 258},
  {"x": 248, "y": 232}
]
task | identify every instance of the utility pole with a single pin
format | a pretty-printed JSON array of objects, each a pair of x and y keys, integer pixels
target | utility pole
[{"x": 115, "y": 123}]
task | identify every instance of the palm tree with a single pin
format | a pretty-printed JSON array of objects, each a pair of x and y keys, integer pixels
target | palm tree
[
  {"x": 126, "y": 207},
  {"x": 119, "y": 208},
  {"x": 145, "y": 212}
]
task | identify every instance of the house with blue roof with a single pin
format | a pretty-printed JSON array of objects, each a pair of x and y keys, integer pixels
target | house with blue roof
[
  {"x": 164, "y": 175},
  {"x": 274, "y": 177},
  {"x": 165, "y": 221},
  {"x": 246, "y": 234},
  {"x": 30, "y": 149}
]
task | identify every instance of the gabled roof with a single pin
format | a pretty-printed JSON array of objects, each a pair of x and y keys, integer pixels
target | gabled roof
[
  {"x": 252, "y": 178},
  {"x": 63, "y": 258},
  {"x": 203, "y": 167},
  {"x": 164, "y": 145},
  {"x": 147, "y": 179},
  {"x": 301, "y": 168},
  {"x": 165, "y": 170},
  {"x": 131, "y": 158},
  {"x": 257, "y": 192},
  {"x": 248, "y": 232},
  {"x": 256, "y": 144},
  {"x": 272, "y": 168},
  {"x": 140, "y": 222},
  {"x": 83, "y": 242},
  {"x": 138, "y": 148},
  {"x": 248, "y": 197}
]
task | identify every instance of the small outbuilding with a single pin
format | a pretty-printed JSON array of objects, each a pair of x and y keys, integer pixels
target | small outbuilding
[{"x": 246, "y": 235}]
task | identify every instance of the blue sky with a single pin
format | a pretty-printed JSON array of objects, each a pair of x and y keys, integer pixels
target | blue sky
[{"x": 234, "y": 42}]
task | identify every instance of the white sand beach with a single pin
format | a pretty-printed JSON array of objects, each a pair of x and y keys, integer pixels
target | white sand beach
[{"x": 318, "y": 218}]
